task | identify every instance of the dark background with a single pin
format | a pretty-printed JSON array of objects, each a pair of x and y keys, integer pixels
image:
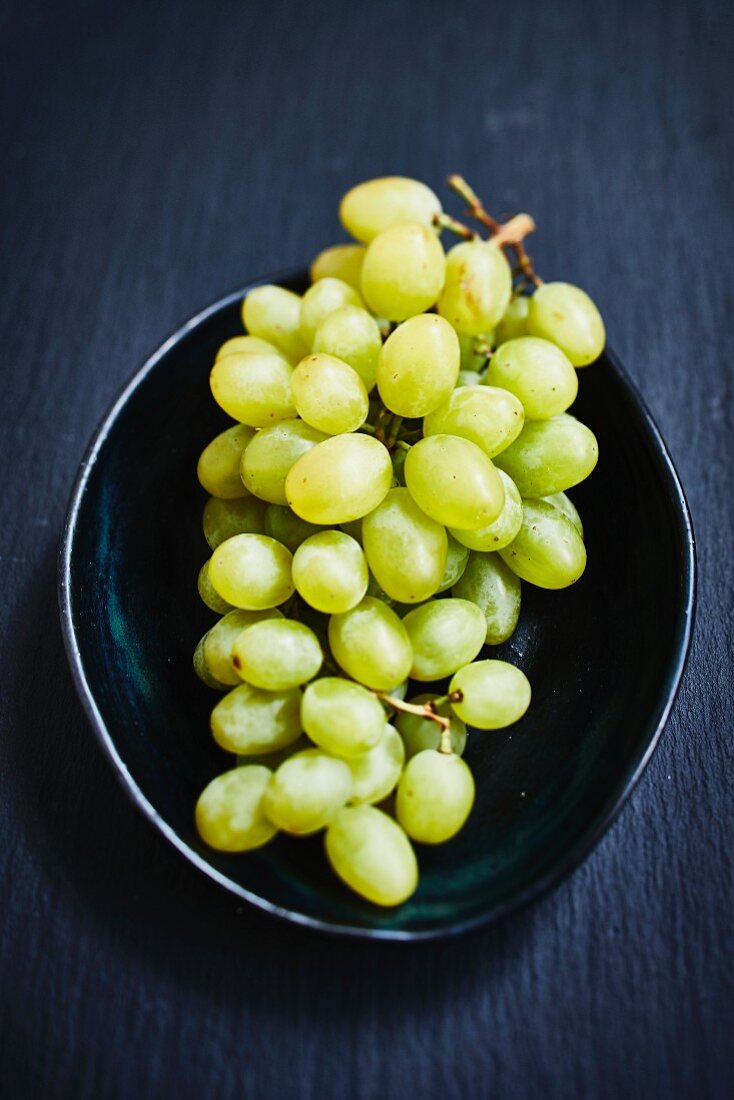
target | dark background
[{"x": 157, "y": 155}]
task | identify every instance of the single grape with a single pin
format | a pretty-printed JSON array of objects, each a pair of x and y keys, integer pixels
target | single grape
[
  {"x": 330, "y": 572},
  {"x": 456, "y": 558},
  {"x": 277, "y": 655},
  {"x": 229, "y": 812},
  {"x": 445, "y": 634},
  {"x": 340, "y": 480},
  {"x": 548, "y": 550},
  {"x": 268, "y": 458},
  {"x": 320, "y": 300},
  {"x": 566, "y": 315},
  {"x": 420, "y": 733},
  {"x": 375, "y": 773},
  {"x": 495, "y": 694},
  {"x": 353, "y": 335},
  {"x": 222, "y": 519},
  {"x": 435, "y": 796},
  {"x": 550, "y": 456},
  {"x": 248, "y": 720},
  {"x": 569, "y": 509},
  {"x": 514, "y": 321},
  {"x": 406, "y": 549},
  {"x": 285, "y": 526},
  {"x": 372, "y": 855},
  {"x": 371, "y": 644},
  {"x": 254, "y": 388},
  {"x": 538, "y": 373},
  {"x": 239, "y": 344},
  {"x": 252, "y": 572},
  {"x": 504, "y": 529},
  {"x": 378, "y": 204},
  {"x": 274, "y": 314},
  {"x": 454, "y": 482},
  {"x": 495, "y": 589},
  {"x": 403, "y": 272},
  {"x": 477, "y": 288},
  {"x": 218, "y": 643},
  {"x": 418, "y": 365},
  {"x": 218, "y": 468},
  {"x": 307, "y": 791},
  {"x": 342, "y": 717},
  {"x": 201, "y": 670},
  {"x": 341, "y": 261},
  {"x": 209, "y": 595},
  {"x": 489, "y": 417},
  {"x": 329, "y": 395}
]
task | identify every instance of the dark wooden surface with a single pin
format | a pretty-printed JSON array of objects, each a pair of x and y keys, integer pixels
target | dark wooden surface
[{"x": 158, "y": 155}]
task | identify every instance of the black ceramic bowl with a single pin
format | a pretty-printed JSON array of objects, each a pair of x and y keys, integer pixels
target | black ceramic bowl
[{"x": 604, "y": 657}]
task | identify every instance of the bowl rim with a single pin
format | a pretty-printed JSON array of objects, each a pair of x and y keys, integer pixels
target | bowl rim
[{"x": 608, "y": 811}]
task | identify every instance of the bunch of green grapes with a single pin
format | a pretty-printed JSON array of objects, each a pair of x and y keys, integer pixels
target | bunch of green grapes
[{"x": 397, "y": 466}]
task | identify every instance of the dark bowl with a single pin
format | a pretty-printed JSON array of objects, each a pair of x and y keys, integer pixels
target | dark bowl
[{"x": 604, "y": 657}]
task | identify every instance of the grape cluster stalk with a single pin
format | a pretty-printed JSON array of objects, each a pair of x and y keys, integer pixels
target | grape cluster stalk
[{"x": 397, "y": 467}]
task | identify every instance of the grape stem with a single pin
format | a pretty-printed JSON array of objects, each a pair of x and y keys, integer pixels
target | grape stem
[
  {"x": 510, "y": 233},
  {"x": 445, "y": 221},
  {"x": 427, "y": 710},
  {"x": 380, "y": 433}
]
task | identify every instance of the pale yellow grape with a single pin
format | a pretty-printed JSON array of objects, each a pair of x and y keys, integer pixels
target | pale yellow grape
[
  {"x": 201, "y": 670},
  {"x": 372, "y": 855},
  {"x": 274, "y": 314},
  {"x": 209, "y": 595},
  {"x": 488, "y": 416},
  {"x": 514, "y": 321},
  {"x": 307, "y": 791},
  {"x": 566, "y": 315},
  {"x": 495, "y": 694},
  {"x": 371, "y": 644},
  {"x": 375, "y": 205},
  {"x": 268, "y": 457},
  {"x": 375, "y": 773},
  {"x": 444, "y": 634},
  {"x": 285, "y": 526},
  {"x": 218, "y": 468},
  {"x": 504, "y": 529},
  {"x": 254, "y": 722},
  {"x": 229, "y": 812},
  {"x": 252, "y": 572},
  {"x": 218, "y": 643},
  {"x": 477, "y": 289},
  {"x": 457, "y": 557},
  {"x": 403, "y": 272},
  {"x": 406, "y": 549},
  {"x": 418, "y": 365},
  {"x": 435, "y": 796},
  {"x": 277, "y": 654},
  {"x": 330, "y": 571},
  {"x": 341, "y": 261},
  {"x": 329, "y": 395},
  {"x": 351, "y": 334},
  {"x": 419, "y": 733},
  {"x": 238, "y": 345},
  {"x": 538, "y": 373},
  {"x": 548, "y": 550},
  {"x": 340, "y": 480},
  {"x": 496, "y": 591},
  {"x": 254, "y": 388},
  {"x": 569, "y": 509},
  {"x": 550, "y": 456},
  {"x": 221, "y": 519},
  {"x": 454, "y": 482},
  {"x": 342, "y": 717},
  {"x": 322, "y": 299}
]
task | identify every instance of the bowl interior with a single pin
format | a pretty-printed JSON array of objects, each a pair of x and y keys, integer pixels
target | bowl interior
[{"x": 603, "y": 657}]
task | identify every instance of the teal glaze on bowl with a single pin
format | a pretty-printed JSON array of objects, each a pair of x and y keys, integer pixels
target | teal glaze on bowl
[{"x": 604, "y": 657}]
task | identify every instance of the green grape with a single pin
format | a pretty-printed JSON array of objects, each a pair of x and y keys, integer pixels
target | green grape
[
  {"x": 329, "y": 395},
  {"x": 514, "y": 321},
  {"x": 277, "y": 655},
  {"x": 372, "y": 855},
  {"x": 252, "y": 572},
  {"x": 569, "y": 509},
  {"x": 218, "y": 643},
  {"x": 222, "y": 519},
  {"x": 505, "y": 527},
  {"x": 341, "y": 261},
  {"x": 566, "y": 315},
  {"x": 307, "y": 791},
  {"x": 229, "y": 812},
  {"x": 445, "y": 634},
  {"x": 330, "y": 572},
  {"x": 403, "y": 272},
  {"x": 201, "y": 669},
  {"x": 456, "y": 558},
  {"x": 550, "y": 455},
  {"x": 487, "y": 416},
  {"x": 435, "y": 796},
  {"x": 268, "y": 458},
  {"x": 548, "y": 551},
  {"x": 371, "y": 644},
  {"x": 353, "y": 335},
  {"x": 420, "y": 733},
  {"x": 495, "y": 590},
  {"x": 418, "y": 365},
  {"x": 248, "y": 720},
  {"x": 218, "y": 468},
  {"x": 238, "y": 345},
  {"x": 496, "y": 694},
  {"x": 342, "y": 717},
  {"x": 375, "y": 773},
  {"x": 454, "y": 482},
  {"x": 274, "y": 314},
  {"x": 208, "y": 593},
  {"x": 538, "y": 373},
  {"x": 340, "y": 480},
  {"x": 406, "y": 549},
  {"x": 477, "y": 288},
  {"x": 320, "y": 300},
  {"x": 468, "y": 378},
  {"x": 378, "y": 204},
  {"x": 273, "y": 760},
  {"x": 285, "y": 526},
  {"x": 254, "y": 388}
]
